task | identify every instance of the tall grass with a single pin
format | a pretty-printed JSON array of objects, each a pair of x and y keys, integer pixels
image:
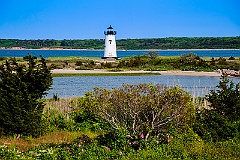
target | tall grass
[
  {"x": 63, "y": 105},
  {"x": 56, "y": 137}
]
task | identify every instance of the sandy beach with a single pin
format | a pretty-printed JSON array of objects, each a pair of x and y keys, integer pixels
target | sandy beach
[{"x": 99, "y": 71}]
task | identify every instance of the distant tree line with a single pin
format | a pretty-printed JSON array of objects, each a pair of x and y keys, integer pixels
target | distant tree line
[
  {"x": 130, "y": 44},
  {"x": 66, "y": 44},
  {"x": 181, "y": 43}
]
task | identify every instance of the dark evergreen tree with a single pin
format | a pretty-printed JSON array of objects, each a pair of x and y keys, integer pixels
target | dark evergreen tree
[
  {"x": 221, "y": 120},
  {"x": 22, "y": 87},
  {"x": 226, "y": 100}
]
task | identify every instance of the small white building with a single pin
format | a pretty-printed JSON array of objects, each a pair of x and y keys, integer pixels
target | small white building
[{"x": 110, "y": 44}]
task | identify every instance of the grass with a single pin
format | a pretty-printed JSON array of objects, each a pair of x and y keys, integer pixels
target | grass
[
  {"x": 63, "y": 105},
  {"x": 56, "y": 137},
  {"x": 71, "y": 59}
]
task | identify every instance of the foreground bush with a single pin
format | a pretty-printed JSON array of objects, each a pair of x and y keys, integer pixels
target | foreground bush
[
  {"x": 221, "y": 121},
  {"x": 21, "y": 89},
  {"x": 143, "y": 110}
]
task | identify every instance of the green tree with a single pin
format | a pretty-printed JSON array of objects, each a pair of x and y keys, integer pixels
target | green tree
[
  {"x": 226, "y": 100},
  {"x": 21, "y": 90},
  {"x": 222, "y": 119},
  {"x": 153, "y": 54},
  {"x": 189, "y": 59}
]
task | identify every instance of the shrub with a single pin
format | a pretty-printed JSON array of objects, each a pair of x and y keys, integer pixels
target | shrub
[
  {"x": 21, "y": 90},
  {"x": 221, "y": 120},
  {"x": 79, "y": 63},
  {"x": 143, "y": 109},
  {"x": 226, "y": 100},
  {"x": 83, "y": 68},
  {"x": 189, "y": 59},
  {"x": 2, "y": 58},
  {"x": 222, "y": 61},
  {"x": 85, "y": 119},
  {"x": 152, "y": 54},
  {"x": 231, "y": 58},
  {"x": 54, "y": 120}
]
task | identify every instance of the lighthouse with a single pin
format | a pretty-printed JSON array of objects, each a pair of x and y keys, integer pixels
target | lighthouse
[{"x": 110, "y": 44}]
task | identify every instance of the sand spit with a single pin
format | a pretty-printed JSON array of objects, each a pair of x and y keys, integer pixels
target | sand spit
[{"x": 99, "y": 71}]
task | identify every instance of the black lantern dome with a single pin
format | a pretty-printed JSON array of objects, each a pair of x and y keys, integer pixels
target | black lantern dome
[{"x": 110, "y": 31}]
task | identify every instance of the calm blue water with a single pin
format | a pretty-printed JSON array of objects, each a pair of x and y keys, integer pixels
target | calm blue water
[
  {"x": 122, "y": 54},
  {"x": 77, "y": 86}
]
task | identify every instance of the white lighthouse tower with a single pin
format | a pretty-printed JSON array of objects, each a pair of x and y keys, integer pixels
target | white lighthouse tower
[{"x": 110, "y": 44}]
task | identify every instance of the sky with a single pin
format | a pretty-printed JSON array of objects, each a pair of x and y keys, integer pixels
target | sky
[{"x": 88, "y": 19}]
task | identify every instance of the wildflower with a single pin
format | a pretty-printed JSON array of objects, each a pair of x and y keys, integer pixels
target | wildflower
[
  {"x": 79, "y": 145},
  {"x": 82, "y": 150},
  {"x": 142, "y": 136},
  {"x": 120, "y": 153},
  {"x": 167, "y": 135},
  {"x": 107, "y": 148},
  {"x": 67, "y": 148},
  {"x": 168, "y": 138},
  {"x": 134, "y": 143},
  {"x": 23, "y": 151}
]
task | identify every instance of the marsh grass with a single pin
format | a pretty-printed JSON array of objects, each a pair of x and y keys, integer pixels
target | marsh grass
[
  {"x": 62, "y": 105},
  {"x": 56, "y": 137},
  {"x": 198, "y": 97}
]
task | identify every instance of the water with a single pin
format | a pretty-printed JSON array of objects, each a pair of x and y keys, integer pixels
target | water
[
  {"x": 120, "y": 53},
  {"x": 77, "y": 86}
]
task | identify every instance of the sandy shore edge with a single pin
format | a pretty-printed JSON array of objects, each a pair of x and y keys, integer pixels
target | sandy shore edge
[{"x": 99, "y": 71}]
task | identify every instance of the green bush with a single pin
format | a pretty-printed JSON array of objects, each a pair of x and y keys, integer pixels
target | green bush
[
  {"x": 83, "y": 68},
  {"x": 21, "y": 89},
  {"x": 231, "y": 58},
  {"x": 85, "y": 119},
  {"x": 2, "y": 58},
  {"x": 143, "y": 109},
  {"x": 221, "y": 120},
  {"x": 54, "y": 120}
]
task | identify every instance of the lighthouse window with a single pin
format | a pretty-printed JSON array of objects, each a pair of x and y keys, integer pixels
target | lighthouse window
[{"x": 110, "y": 41}]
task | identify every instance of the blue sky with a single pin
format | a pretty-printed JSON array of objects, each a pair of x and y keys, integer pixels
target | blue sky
[{"x": 87, "y": 19}]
